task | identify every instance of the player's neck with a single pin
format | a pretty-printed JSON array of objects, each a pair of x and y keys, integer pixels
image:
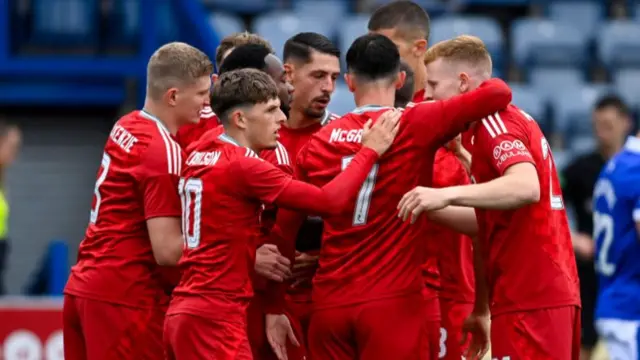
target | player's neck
[
  {"x": 156, "y": 111},
  {"x": 374, "y": 96},
  {"x": 239, "y": 138},
  {"x": 420, "y": 78},
  {"x": 299, "y": 120},
  {"x": 607, "y": 152}
]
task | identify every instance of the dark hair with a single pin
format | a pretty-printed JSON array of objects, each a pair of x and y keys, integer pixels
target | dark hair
[
  {"x": 249, "y": 56},
  {"x": 241, "y": 87},
  {"x": 405, "y": 93},
  {"x": 300, "y": 46},
  {"x": 238, "y": 39},
  {"x": 411, "y": 20},
  {"x": 613, "y": 101},
  {"x": 373, "y": 57}
]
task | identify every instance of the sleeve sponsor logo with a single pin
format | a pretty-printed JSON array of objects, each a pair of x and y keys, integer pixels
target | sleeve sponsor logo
[{"x": 508, "y": 149}]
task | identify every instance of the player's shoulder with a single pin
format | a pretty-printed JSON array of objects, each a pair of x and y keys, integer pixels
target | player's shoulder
[
  {"x": 328, "y": 118},
  {"x": 277, "y": 156},
  {"x": 207, "y": 113},
  {"x": 509, "y": 120},
  {"x": 207, "y": 139}
]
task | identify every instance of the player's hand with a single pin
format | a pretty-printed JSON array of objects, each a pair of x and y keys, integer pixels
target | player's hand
[
  {"x": 422, "y": 199},
  {"x": 460, "y": 152},
  {"x": 271, "y": 264},
  {"x": 304, "y": 267},
  {"x": 477, "y": 326},
  {"x": 583, "y": 245},
  {"x": 380, "y": 136},
  {"x": 278, "y": 328}
]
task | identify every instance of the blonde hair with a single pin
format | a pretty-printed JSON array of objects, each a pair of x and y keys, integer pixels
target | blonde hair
[
  {"x": 238, "y": 39},
  {"x": 175, "y": 64},
  {"x": 464, "y": 48}
]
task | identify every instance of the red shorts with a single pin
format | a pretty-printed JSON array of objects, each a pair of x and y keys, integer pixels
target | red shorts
[
  {"x": 190, "y": 337},
  {"x": 257, "y": 336},
  {"x": 431, "y": 343},
  {"x": 100, "y": 330},
  {"x": 453, "y": 316},
  {"x": 376, "y": 330},
  {"x": 552, "y": 333}
]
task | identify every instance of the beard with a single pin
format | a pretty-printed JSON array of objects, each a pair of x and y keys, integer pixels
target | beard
[{"x": 314, "y": 114}]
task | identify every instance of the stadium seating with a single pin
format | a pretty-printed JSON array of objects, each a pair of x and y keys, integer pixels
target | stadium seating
[
  {"x": 225, "y": 24},
  {"x": 572, "y": 108},
  {"x": 582, "y": 144},
  {"x": 526, "y": 98},
  {"x": 543, "y": 42},
  {"x": 619, "y": 44},
  {"x": 242, "y": 6},
  {"x": 65, "y": 22},
  {"x": 278, "y": 26},
  {"x": 548, "y": 82},
  {"x": 447, "y": 27},
  {"x": 627, "y": 83},
  {"x": 332, "y": 11},
  {"x": 352, "y": 27},
  {"x": 125, "y": 22},
  {"x": 585, "y": 16}
]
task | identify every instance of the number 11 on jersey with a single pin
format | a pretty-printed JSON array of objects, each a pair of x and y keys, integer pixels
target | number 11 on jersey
[{"x": 363, "y": 203}]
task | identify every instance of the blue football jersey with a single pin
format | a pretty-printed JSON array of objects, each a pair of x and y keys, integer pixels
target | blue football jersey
[{"x": 616, "y": 205}]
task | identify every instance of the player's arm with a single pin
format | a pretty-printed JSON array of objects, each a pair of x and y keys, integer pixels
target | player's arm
[
  {"x": 458, "y": 218},
  {"x": 158, "y": 184},
  {"x": 447, "y": 118}
]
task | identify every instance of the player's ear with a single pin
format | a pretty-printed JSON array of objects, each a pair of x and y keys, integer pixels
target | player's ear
[
  {"x": 238, "y": 119},
  {"x": 348, "y": 78},
  {"x": 171, "y": 96},
  {"x": 402, "y": 77},
  {"x": 465, "y": 82},
  {"x": 419, "y": 48}
]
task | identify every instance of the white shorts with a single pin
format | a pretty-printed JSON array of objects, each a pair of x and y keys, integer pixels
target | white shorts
[{"x": 621, "y": 338}]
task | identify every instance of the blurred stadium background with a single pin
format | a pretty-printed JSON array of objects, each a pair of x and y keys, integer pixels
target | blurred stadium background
[{"x": 68, "y": 68}]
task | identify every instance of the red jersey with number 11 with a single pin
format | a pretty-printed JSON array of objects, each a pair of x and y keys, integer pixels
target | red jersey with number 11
[
  {"x": 528, "y": 252},
  {"x": 137, "y": 181}
]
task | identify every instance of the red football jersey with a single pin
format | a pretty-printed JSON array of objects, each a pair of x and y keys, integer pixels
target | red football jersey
[
  {"x": 454, "y": 251},
  {"x": 223, "y": 189},
  {"x": 528, "y": 252},
  {"x": 370, "y": 253},
  {"x": 137, "y": 180},
  {"x": 187, "y": 134}
]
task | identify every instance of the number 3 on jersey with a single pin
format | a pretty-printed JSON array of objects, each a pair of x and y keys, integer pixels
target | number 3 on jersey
[
  {"x": 363, "y": 203},
  {"x": 106, "y": 161},
  {"x": 191, "y": 197}
]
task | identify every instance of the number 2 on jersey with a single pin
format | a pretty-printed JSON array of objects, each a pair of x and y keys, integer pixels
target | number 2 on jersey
[
  {"x": 191, "y": 197},
  {"x": 603, "y": 226},
  {"x": 106, "y": 161},
  {"x": 363, "y": 203}
]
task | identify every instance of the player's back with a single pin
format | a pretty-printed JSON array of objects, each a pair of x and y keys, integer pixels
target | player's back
[
  {"x": 221, "y": 225},
  {"x": 115, "y": 259},
  {"x": 616, "y": 211},
  {"x": 369, "y": 253},
  {"x": 531, "y": 263}
]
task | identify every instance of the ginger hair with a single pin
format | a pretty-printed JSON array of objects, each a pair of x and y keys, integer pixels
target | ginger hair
[{"x": 464, "y": 48}]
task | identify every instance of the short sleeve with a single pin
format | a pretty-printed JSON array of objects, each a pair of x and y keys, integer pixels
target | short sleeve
[
  {"x": 278, "y": 157},
  {"x": 260, "y": 179},
  {"x": 448, "y": 170},
  {"x": 158, "y": 177},
  {"x": 504, "y": 141}
]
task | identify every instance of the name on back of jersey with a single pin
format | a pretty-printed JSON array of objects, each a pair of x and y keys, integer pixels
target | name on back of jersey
[
  {"x": 342, "y": 135},
  {"x": 197, "y": 158},
  {"x": 123, "y": 138}
]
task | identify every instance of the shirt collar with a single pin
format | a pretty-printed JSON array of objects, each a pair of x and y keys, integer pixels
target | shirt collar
[
  {"x": 152, "y": 117},
  {"x": 632, "y": 144},
  {"x": 365, "y": 108},
  {"x": 228, "y": 139}
]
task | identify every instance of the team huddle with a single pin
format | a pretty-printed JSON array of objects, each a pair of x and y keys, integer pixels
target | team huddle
[{"x": 235, "y": 217}]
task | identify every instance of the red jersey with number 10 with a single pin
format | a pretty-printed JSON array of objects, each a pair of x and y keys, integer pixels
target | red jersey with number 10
[
  {"x": 137, "y": 181},
  {"x": 528, "y": 252}
]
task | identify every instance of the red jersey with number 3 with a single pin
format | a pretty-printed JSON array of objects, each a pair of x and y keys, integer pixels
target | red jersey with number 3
[
  {"x": 454, "y": 251},
  {"x": 137, "y": 181},
  {"x": 224, "y": 187},
  {"x": 528, "y": 252}
]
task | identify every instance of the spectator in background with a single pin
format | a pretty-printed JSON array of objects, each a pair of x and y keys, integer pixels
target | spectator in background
[
  {"x": 611, "y": 124},
  {"x": 10, "y": 139}
]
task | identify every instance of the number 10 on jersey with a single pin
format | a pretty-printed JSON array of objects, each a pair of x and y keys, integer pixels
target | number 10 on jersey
[{"x": 191, "y": 197}]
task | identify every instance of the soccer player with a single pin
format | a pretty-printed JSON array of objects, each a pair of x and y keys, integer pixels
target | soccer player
[
  {"x": 367, "y": 291},
  {"x": 208, "y": 119},
  {"x": 407, "y": 24},
  {"x": 404, "y": 94},
  {"x": 115, "y": 300},
  {"x": 616, "y": 220},
  {"x": 523, "y": 230},
  {"x": 223, "y": 188}
]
